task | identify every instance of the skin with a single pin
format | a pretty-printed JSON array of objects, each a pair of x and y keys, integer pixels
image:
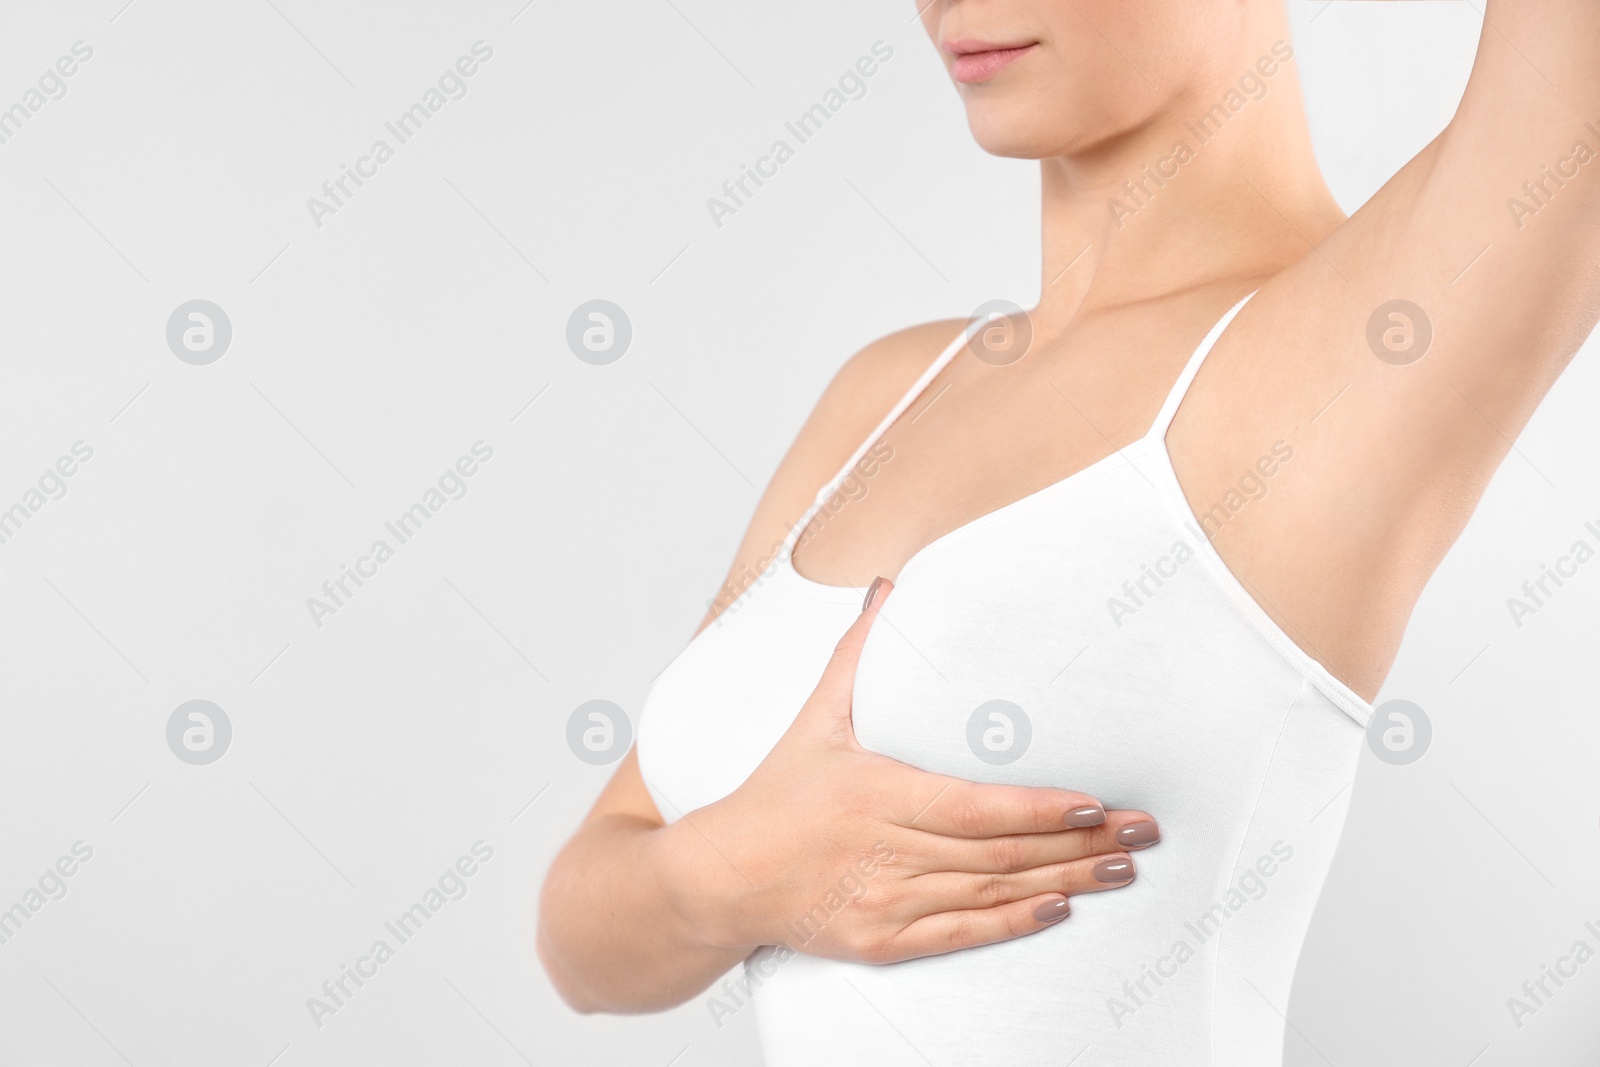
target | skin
[{"x": 1389, "y": 460}]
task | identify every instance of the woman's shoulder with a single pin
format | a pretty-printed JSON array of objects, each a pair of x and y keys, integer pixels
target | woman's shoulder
[
  {"x": 871, "y": 381},
  {"x": 864, "y": 388}
]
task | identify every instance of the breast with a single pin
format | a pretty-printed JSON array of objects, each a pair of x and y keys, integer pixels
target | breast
[
  {"x": 716, "y": 711},
  {"x": 1104, "y": 633}
]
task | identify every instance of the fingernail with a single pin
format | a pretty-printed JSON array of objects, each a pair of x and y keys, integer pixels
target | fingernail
[
  {"x": 1138, "y": 835},
  {"x": 1114, "y": 870},
  {"x": 1093, "y": 815},
  {"x": 1051, "y": 911},
  {"x": 872, "y": 591}
]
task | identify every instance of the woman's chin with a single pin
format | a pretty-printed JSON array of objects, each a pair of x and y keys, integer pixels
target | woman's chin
[{"x": 1010, "y": 136}]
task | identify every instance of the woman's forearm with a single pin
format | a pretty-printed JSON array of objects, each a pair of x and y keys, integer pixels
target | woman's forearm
[{"x": 615, "y": 929}]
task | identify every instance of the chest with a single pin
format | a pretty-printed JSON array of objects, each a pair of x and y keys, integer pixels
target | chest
[{"x": 978, "y": 437}]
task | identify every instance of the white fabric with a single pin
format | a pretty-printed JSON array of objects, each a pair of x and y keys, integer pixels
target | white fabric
[{"x": 1194, "y": 706}]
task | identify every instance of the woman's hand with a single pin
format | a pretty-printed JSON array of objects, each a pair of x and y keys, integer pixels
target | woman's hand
[{"x": 843, "y": 853}]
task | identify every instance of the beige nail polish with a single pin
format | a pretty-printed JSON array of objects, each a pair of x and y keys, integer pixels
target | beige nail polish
[
  {"x": 1138, "y": 835},
  {"x": 1114, "y": 870},
  {"x": 1091, "y": 815},
  {"x": 1051, "y": 911}
]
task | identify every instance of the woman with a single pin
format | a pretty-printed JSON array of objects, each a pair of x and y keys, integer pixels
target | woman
[{"x": 1154, "y": 544}]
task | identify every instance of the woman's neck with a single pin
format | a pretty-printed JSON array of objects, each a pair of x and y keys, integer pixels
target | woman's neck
[{"x": 1224, "y": 185}]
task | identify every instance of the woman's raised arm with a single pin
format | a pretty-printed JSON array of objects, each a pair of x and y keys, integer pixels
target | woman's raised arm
[{"x": 1402, "y": 355}]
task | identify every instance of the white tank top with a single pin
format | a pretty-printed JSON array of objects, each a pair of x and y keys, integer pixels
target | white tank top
[{"x": 1145, "y": 675}]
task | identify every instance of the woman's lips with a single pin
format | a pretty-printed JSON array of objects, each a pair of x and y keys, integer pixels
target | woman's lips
[{"x": 980, "y": 64}]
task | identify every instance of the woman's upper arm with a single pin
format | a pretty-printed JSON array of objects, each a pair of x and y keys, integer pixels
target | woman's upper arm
[
  {"x": 859, "y": 395},
  {"x": 1401, "y": 356}
]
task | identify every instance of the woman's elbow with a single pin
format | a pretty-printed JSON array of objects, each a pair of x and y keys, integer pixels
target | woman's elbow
[{"x": 572, "y": 992}]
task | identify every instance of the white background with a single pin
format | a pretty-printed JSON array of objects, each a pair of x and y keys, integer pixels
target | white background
[{"x": 370, "y": 352}]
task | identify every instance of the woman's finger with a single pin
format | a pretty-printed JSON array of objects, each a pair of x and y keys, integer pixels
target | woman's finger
[
  {"x": 954, "y": 807},
  {"x": 931, "y": 894},
  {"x": 1121, "y": 832},
  {"x": 829, "y": 706},
  {"x": 950, "y": 931}
]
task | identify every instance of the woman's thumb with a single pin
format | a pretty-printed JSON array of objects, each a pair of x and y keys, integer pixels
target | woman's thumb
[{"x": 834, "y": 691}]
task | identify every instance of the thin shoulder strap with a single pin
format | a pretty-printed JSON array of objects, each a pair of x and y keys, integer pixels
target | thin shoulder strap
[
  {"x": 911, "y": 394},
  {"x": 1180, "y": 388}
]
